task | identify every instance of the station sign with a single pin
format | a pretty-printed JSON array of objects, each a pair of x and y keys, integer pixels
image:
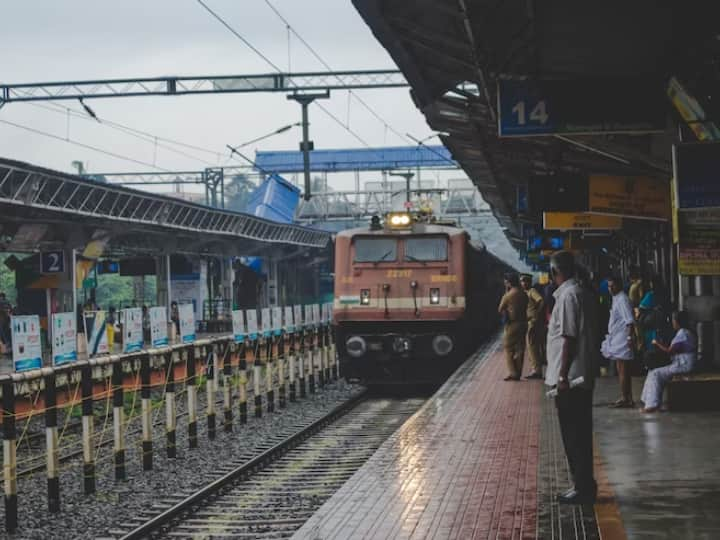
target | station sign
[
  {"x": 132, "y": 330},
  {"x": 96, "y": 333},
  {"x": 158, "y": 327},
  {"x": 637, "y": 197},
  {"x": 699, "y": 246},
  {"x": 186, "y": 313},
  {"x": 697, "y": 172},
  {"x": 26, "y": 344},
  {"x": 64, "y": 338},
  {"x": 238, "y": 325},
  {"x": 583, "y": 221},
  {"x": 549, "y": 107},
  {"x": 52, "y": 262}
]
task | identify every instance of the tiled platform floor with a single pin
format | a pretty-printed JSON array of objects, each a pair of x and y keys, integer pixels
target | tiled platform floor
[{"x": 465, "y": 466}]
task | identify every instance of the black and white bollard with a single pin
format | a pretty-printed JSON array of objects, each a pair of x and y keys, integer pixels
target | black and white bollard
[
  {"x": 302, "y": 357},
  {"x": 146, "y": 413},
  {"x": 10, "y": 457},
  {"x": 118, "y": 421},
  {"x": 86, "y": 391},
  {"x": 210, "y": 390},
  {"x": 191, "y": 376},
  {"x": 291, "y": 368},
  {"x": 257, "y": 377},
  {"x": 281, "y": 372},
  {"x": 269, "y": 369},
  {"x": 242, "y": 384},
  {"x": 51, "y": 441},
  {"x": 227, "y": 387},
  {"x": 170, "y": 418},
  {"x": 312, "y": 361}
]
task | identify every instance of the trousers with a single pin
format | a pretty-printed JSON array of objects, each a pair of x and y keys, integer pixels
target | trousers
[
  {"x": 574, "y": 409},
  {"x": 536, "y": 345},
  {"x": 514, "y": 343}
]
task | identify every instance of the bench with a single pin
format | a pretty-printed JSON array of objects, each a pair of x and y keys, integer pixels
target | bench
[{"x": 694, "y": 392}]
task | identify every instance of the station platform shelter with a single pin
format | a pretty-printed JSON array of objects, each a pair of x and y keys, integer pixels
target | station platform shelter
[{"x": 484, "y": 459}]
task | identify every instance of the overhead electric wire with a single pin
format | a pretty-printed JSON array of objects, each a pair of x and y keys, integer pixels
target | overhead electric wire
[
  {"x": 276, "y": 68},
  {"x": 83, "y": 145},
  {"x": 142, "y": 135},
  {"x": 329, "y": 68}
]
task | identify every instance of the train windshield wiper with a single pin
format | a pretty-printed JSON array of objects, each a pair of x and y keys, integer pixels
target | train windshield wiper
[{"x": 385, "y": 256}]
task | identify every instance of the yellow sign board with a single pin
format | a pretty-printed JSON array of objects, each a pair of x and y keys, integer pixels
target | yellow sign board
[
  {"x": 629, "y": 196},
  {"x": 580, "y": 221},
  {"x": 699, "y": 249}
]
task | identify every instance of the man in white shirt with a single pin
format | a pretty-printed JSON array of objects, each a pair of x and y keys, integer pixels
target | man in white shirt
[
  {"x": 618, "y": 345},
  {"x": 571, "y": 354}
]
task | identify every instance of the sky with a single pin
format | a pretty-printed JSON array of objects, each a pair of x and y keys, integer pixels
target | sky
[{"x": 51, "y": 40}]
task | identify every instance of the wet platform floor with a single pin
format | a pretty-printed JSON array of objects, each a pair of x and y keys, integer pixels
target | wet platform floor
[{"x": 484, "y": 459}]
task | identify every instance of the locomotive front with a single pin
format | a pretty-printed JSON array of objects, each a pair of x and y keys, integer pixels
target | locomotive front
[{"x": 400, "y": 298}]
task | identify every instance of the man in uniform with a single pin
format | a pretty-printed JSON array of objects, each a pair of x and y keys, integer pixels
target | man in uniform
[
  {"x": 513, "y": 308},
  {"x": 535, "y": 327}
]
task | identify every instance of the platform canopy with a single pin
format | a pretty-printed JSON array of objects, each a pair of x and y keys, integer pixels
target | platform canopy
[
  {"x": 42, "y": 208},
  {"x": 463, "y": 59},
  {"x": 357, "y": 159}
]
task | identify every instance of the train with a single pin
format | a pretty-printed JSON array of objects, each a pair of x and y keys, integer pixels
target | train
[{"x": 413, "y": 297}]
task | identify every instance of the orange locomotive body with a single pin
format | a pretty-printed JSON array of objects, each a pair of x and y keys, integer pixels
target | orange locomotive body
[{"x": 410, "y": 302}]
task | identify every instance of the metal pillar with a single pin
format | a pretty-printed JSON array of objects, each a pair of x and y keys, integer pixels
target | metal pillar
[{"x": 306, "y": 146}]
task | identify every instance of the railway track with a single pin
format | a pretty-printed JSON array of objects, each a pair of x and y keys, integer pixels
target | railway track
[{"x": 272, "y": 494}]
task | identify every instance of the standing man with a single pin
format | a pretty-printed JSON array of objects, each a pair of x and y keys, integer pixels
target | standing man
[
  {"x": 513, "y": 308},
  {"x": 570, "y": 355},
  {"x": 535, "y": 326},
  {"x": 619, "y": 342}
]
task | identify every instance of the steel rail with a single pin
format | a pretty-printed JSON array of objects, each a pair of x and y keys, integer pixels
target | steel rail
[{"x": 166, "y": 517}]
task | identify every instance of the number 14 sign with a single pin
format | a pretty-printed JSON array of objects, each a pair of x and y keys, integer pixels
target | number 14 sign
[{"x": 523, "y": 110}]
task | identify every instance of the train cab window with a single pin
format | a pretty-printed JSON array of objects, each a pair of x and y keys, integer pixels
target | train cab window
[
  {"x": 375, "y": 249},
  {"x": 434, "y": 248}
]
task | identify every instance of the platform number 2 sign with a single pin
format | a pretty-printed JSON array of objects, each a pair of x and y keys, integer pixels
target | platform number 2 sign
[
  {"x": 538, "y": 114},
  {"x": 52, "y": 262}
]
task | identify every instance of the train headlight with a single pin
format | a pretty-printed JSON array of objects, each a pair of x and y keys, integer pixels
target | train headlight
[
  {"x": 399, "y": 220},
  {"x": 356, "y": 346},
  {"x": 442, "y": 345},
  {"x": 434, "y": 296},
  {"x": 365, "y": 297}
]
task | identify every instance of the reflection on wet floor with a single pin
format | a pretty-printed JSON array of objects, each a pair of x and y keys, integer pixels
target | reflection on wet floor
[{"x": 663, "y": 467}]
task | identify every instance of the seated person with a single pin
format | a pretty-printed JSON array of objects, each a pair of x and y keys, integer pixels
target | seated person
[{"x": 683, "y": 354}]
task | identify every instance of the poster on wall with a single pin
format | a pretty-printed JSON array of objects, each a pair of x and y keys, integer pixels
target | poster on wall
[
  {"x": 158, "y": 327},
  {"x": 277, "y": 323},
  {"x": 26, "y": 345},
  {"x": 238, "y": 325},
  {"x": 187, "y": 323},
  {"x": 298, "y": 316},
  {"x": 96, "y": 333},
  {"x": 265, "y": 323},
  {"x": 699, "y": 246},
  {"x": 252, "y": 324},
  {"x": 132, "y": 337},
  {"x": 289, "y": 325},
  {"x": 64, "y": 338}
]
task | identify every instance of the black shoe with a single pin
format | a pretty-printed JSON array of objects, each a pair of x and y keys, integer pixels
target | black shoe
[
  {"x": 575, "y": 497},
  {"x": 511, "y": 378},
  {"x": 535, "y": 375}
]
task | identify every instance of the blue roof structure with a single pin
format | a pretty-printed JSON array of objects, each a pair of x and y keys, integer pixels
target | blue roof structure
[{"x": 362, "y": 159}]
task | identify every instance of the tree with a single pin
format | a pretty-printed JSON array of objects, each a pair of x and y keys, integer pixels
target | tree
[
  {"x": 7, "y": 280},
  {"x": 238, "y": 191}
]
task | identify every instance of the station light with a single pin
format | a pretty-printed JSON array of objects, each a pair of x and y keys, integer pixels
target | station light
[
  {"x": 399, "y": 220},
  {"x": 365, "y": 297},
  {"x": 434, "y": 296}
]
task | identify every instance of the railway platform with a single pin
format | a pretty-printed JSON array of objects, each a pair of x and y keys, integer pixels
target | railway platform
[{"x": 484, "y": 459}]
